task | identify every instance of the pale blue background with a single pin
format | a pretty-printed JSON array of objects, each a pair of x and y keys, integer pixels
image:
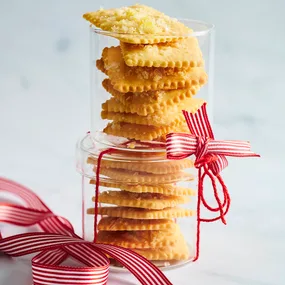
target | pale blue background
[{"x": 44, "y": 81}]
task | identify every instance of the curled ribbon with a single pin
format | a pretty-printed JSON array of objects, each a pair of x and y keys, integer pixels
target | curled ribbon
[
  {"x": 210, "y": 160},
  {"x": 58, "y": 241}
]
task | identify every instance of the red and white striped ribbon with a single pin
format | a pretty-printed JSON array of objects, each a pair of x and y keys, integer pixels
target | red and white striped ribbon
[
  {"x": 58, "y": 241},
  {"x": 200, "y": 141},
  {"x": 210, "y": 160}
]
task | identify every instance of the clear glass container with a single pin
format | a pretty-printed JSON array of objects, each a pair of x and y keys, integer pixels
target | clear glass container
[
  {"x": 203, "y": 33},
  {"x": 145, "y": 202},
  {"x": 132, "y": 195}
]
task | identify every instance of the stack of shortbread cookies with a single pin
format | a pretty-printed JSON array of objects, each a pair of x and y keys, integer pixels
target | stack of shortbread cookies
[
  {"x": 152, "y": 76},
  {"x": 145, "y": 201}
]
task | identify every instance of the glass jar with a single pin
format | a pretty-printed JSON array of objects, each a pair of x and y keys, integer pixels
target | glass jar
[
  {"x": 145, "y": 202},
  {"x": 132, "y": 195},
  {"x": 203, "y": 37}
]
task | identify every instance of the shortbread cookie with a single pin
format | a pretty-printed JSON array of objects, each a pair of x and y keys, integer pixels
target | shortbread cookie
[
  {"x": 113, "y": 105},
  {"x": 138, "y": 79},
  {"x": 179, "y": 251},
  {"x": 139, "y": 239},
  {"x": 141, "y": 200},
  {"x": 127, "y": 176},
  {"x": 159, "y": 112},
  {"x": 157, "y": 167},
  {"x": 149, "y": 120},
  {"x": 150, "y": 102},
  {"x": 121, "y": 224},
  {"x": 183, "y": 53},
  {"x": 142, "y": 132},
  {"x": 113, "y": 61},
  {"x": 138, "y": 213},
  {"x": 161, "y": 98},
  {"x": 138, "y": 24},
  {"x": 166, "y": 189}
]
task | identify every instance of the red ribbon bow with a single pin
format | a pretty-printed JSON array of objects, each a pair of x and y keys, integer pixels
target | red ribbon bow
[
  {"x": 58, "y": 241},
  {"x": 210, "y": 160}
]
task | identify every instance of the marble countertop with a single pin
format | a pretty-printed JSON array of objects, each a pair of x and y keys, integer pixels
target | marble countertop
[{"x": 44, "y": 109}]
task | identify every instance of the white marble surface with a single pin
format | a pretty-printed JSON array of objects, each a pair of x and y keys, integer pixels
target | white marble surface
[{"x": 44, "y": 77}]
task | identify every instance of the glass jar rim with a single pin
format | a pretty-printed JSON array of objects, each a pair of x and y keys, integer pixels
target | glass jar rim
[
  {"x": 208, "y": 29},
  {"x": 121, "y": 144},
  {"x": 94, "y": 143}
]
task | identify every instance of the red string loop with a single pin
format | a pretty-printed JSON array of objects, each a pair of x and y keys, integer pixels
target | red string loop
[{"x": 210, "y": 161}]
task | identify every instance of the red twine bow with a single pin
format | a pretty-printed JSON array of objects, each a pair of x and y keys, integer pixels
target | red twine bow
[
  {"x": 210, "y": 160},
  {"x": 58, "y": 241}
]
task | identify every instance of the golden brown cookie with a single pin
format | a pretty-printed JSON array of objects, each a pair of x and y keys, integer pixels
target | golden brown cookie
[
  {"x": 139, "y": 239},
  {"x": 139, "y": 79},
  {"x": 138, "y": 213},
  {"x": 113, "y": 105},
  {"x": 155, "y": 167},
  {"x": 160, "y": 113},
  {"x": 135, "y": 177},
  {"x": 183, "y": 53},
  {"x": 163, "y": 102},
  {"x": 121, "y": 224},
  {"x": 166, "y": 189},
  {"x": 179, "y": 251},
  {"x": 149, "y": 120},
  {"x": 141, "y": 200},
  {"x": 138, "y": 24},
  {"x": 152, "y": 100},
  {"x": 142, "y": 132}
]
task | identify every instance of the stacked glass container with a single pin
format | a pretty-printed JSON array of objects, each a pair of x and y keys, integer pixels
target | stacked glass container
[{"x": 145, "y": 201}]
